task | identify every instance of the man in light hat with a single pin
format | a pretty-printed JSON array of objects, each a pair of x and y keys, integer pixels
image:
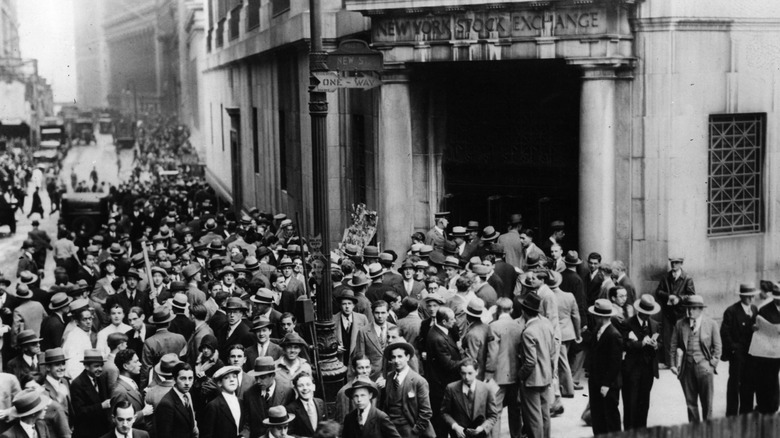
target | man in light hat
[
  {"x": 606, "y": 357},
  {"x": 277, "y": 422},
  {"x": 162, "y": 342},
  {"x": 376, "y": 290},
  {"x": 640, "y": 364},
  {"x": 479, "y": 342},
  {"x": 294, "y": 285},
  {"x": 537, "y": 351},
  {"x": 56, "y": 385},
  {"x": 366, "y": 421},
  {"x": 696, "y": 349},
  {"x": 29, "y": 406},
  {"x": 509, "y": 334},
  {"x": 359, "y": 284},
  {"x": 182, "y": 323},
  {"x": 226, "y": 415},
  {"x": 360, "y": 367},
  {"x": 290, "y": 364},
  {"x": 482, "y": 289},
  {"x": 348, "y": 324},
  {"x": 671, "y": 290},
  {"x": 438, "y": 234},
  {"x": 736, "y": 332},
  {"x": 91, "y": 398},
  {"x": 163, "y": 379}
]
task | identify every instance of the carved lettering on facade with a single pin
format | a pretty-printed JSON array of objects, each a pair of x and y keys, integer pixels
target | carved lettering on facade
[{"x": 488, "y": 25}]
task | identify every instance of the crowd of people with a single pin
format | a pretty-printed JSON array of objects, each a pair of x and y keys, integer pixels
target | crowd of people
[{"x": 177, "y": 319}]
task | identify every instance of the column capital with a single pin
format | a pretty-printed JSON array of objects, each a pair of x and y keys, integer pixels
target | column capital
[
  {"x": 604, "y": 68},
  {"x": 395, "y": 73}
]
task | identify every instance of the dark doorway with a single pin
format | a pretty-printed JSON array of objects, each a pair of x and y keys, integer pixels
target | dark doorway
[
  {"x": 512, "y": 143},
  {"x": 235, "y": 159}
]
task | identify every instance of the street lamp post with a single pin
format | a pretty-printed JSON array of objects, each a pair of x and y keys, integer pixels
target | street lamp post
[{"x": 330, "y": 367}]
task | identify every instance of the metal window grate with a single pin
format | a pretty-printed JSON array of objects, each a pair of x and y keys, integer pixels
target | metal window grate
[{"x": 736, "y": 161}]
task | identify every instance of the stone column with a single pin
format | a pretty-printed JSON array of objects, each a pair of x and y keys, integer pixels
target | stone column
[
  {"x": 597, "y": 213},
  {"x": 394, "y": 167}
]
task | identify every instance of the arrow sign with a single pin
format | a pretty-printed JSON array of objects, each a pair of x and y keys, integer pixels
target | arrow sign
[{"x": 332, "y": 81}]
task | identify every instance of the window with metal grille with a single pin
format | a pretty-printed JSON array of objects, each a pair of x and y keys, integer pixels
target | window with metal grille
[{"x": 736, "y": 162}]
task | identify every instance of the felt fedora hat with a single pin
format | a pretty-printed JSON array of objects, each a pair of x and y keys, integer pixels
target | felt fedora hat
[
  {"x": 27, "y": 337},
  {"x": 646, "y": 304},
  {"x": 28, "y": 402},
  {"x": 748, "y": 289},
  {"x": 532, "y": 302},
  {"x": 235, "y": 303},
  {"x": 166, "y": 364},
  {"x": 161, "y": 316},
  {"x": 451, "y": 262},
  {"x": 375, "y": 270},
  {"x": 371, "y": 252},
  {"x": 263, "y": 365},
  {"x": 293, "y": 339},
  {"x": 92, "y": 356},
  {"x": 359, "y": 279},
  {"x": 407, "y": 347},
  {"x": 347, "y": 295},
  {"x": 572, "y": 258},
  {"x": 362, "y": 382},
  {"x": 489, "y": 234},
  {"x": 694, "y": 301},
  {"x": 260, "y": 322},
  {"x": 278, "y": 416}
]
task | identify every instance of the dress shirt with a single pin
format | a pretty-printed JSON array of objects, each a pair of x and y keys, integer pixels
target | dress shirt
[
  {"x": 442, "y": 328},
  {"x": 31, "y": 361},
  {"x": 58, "y": 385},
  {"x": 594, "y": 274},
  {"x": 311, "y": 409},
  {"x": 119, "y": 435},
  {"x": 235, "y": 407},
  {"x": 183, "y": 397},
  {"x": 696, "y": 324},
  {"x": 363, "y": 416},
  {"x": 467, "y": 389},
  {"x": 381, "y": 332},
  {"x": 747, "y": 309},
  {"x": 401, "y": 375},
  {"x": 29, "y": 429},
  {"x": 346, "y": 321},
  {"x": 268, "y": 392}
]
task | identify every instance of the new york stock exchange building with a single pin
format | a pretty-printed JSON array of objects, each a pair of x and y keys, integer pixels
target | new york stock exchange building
[{"x": 649, "y": 127}]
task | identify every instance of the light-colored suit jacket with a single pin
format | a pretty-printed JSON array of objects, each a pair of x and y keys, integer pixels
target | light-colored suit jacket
[
  {"x": 538, "y": 348},
  {"x": 509, "y": 334},
  {"x": 568, "y": 314},
  {"x": 454, "y": 406},
  {"x": 368, "y": 344},
  {"x": 709, "y": 341}
]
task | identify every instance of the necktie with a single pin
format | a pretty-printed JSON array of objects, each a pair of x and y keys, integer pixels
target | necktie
[
  {"x": 361, "y": 419},
  {"x": 384, "y": 337},
  {"x": 34, "y": 363},
  {"x": 95, "y": 384},
  {"x": 187, "y": 401},
  {"x": 346, "y": 325},
  {"x": 396, "y": 381},
  {"x": 312, "y": 411},
  {"x": 34, "y": 433}
]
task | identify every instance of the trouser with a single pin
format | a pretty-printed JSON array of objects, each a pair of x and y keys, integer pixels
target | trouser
[
  {"x": 577, "y": 361},
  {"x": 564, "y": 370},
  {"x": 767, "y": 384},
  {"x": 507, "y": 396},
  {"x": 604, "y": 413},
  {"x": 740, "y": 388},
  {"x": 637, "y": 384},
  {"x": 667, "y": 328},
  {"x": 697, "y": 383},
  {"x": 555, "y": 388},
  {"x": 536, "y": 410}
]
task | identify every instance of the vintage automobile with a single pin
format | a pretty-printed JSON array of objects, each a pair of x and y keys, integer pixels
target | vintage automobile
[
  {"x": 84, "y": 130},
  {"x": 105, "y": 124},
  {"x": 84, "y": 211}
]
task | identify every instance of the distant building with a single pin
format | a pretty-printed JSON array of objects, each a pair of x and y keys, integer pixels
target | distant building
[{"x": 9, "y": 29}]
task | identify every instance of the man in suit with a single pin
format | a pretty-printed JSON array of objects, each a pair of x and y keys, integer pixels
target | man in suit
[
  {"x": 127, "y": 389},
  {"x": 698, "y": 337},
  {"x": 131, "y": 296},
  {"x": 278, "y": 422},
  {"x": 56, "y": 385},
  {"x": 174, "y": 416},
  {"x": 348, "y": 324},
  {"x": 443, "y": 357},
  {"x": 481, "y": 287},
  {"x": 411, "y": 287},
  {"x": 366, "y": 421},
  {"x": 26, "y": 260},
  {"x": 294, "y": 285},
  {"x": 53, "y": 326},
  {"x": 605, "y": 366},
  {"x": 236, "y": 357},
  {"x": 226, "y": 415},
  {"x": 140, "y": 330},
  {"x": 123, "y": 417},
  {"x": 736, "y": 332},
  {"x": 537, "y": 351},
  {"x": 372, "y": 339},
  {"x": 671, "y": 291},
  {"x": 89, "y": 271},
  {"x": 508, "y": 333},
  {"x": 469, "y": 407},
  {"x": 308, "y": 411},
  {"x": 512, "y": 242},
  {"x": 181, "y": 324},
  {"x": 361, "y": 367},
  {"x": 199, "y": 315},
  {"x": 160, "y": 343},
  {"x": 406, "y": 397},
  {"x": 29, "y": 408},
  {"x": 26, "y": 363},
  {"x": 640, "y": 364},
  {"x": 766, "y": 364},
  {"x": 268, "y": 391},
  {"x": 236, "y": 331},
  {"x": 391, "y": 279},
  {"x": 572, "y": 283},
  {"x": 91, "y": 399},
  {"x": 438, "y": 234},
  {"x": 409, "y": 325},
  {"x": 479, "y": 342},
  {"x": 261, "y": 327}
]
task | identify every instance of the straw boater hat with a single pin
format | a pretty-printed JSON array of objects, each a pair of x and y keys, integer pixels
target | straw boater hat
[
  {"x": 458, "y": 232},
  {"x": 375, "y": 270},
  {"x": 489, "y": 234},
  {"x": 161, "y": 316},
  {"x": 362, "y": 382},
  {"x": 277, "y": 416},
  {"x": 59, "y": 300},
  {"x": 646, "y": 304},
  {"x": 27, "y": 337},
  {"x": 407, "y": 347},
  {"x": 748, "y": 290},
  {"x": 286, "y": 262},
  {"x": 263, "y": 296},
  {"x": 451, "y": 261},
  {"x": 179, "y": 301},
  {"x": 28, "y": 402},
  {"x": 475, "y": 308},
  {"x": 602, "y": 307},
  {"x": 27, "y": 277},
  {"x": 263, "y": 365}
]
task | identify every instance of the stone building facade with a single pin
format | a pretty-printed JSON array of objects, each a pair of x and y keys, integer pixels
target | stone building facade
[{"x": 649, "y": 127}]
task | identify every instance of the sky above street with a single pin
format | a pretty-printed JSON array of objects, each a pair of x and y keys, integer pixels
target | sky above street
[{"x": 46, "y": 33}]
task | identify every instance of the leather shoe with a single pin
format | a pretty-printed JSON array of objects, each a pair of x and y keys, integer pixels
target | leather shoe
[{"x": 556, "y": 411}]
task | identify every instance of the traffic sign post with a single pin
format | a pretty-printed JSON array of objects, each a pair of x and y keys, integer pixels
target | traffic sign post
[{"x": 331, "y": 81}]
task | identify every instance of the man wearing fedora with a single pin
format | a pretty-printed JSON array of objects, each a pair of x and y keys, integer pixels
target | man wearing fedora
[
  {"x": 360, "y": 367},
  {"x": 181, "y": 324},
  {"x": 278, "y": 422},
  {"x": 263, "y": 306},
  {"x": 26, "y": 260},
  {"x": 736, "y": 332},
  {"x": 28, "y": 311},
  {"x": 56, "y": 385},
  {"x": 411, "y": 286},
  {"x": 671, "y": 291},
  {"x": 696, "y": 349},
  {"x": 605, "y": 381},
  {"x": 348, "y": 324},
  {"x": 294, "y": 285},
  {"x": 438, "y": 234},
  {"x": 174, "y": 416},
  {"x": 509, "y": 334},
  {"x": 91, "y": 398},
  {"x": 160, "y": 343},
  {"x": 28, "y": 410},
  {"x": 406, "y": 398},
  {"x": 236, "y": 331},
  {"x": 641, "y": 342},
  {"x": 572, "y": 282},
  {"x": 262, "y": 328},
  {"x": 359, "y": 283},
  {"x": 131, "y": 296},
  {"x": 267, "y": 392},
  {"x": 479, "y": 342},
  {"x": 766, "y": 363},
  {"x": 479, "y": 284},
  {"x": 124, "y": 417},
  {"x": 290, "y": 363},
  {"x": 366, "y": 421},
  {"x": 226, "y": 415},
  {"x": 537, "y": 350},
  {"x": 26, "y": 363},
  {"x": 376, "y": 290},
  {"x": 470, "y": 407},
  {"x": 513, "y": 244}
]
